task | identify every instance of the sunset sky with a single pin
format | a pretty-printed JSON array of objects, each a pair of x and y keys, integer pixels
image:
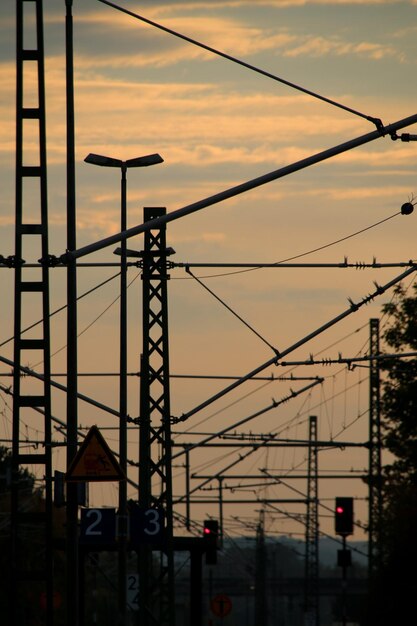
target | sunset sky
[{"x": 139, "y": 90}]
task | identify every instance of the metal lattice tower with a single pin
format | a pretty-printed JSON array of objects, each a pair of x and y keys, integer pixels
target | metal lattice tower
[
  {"x": 31, "y": 524},
  {"x": 156, "y": 580},
  {"x": 312, "y": 531},
  {"x": 375, "y": 495}
]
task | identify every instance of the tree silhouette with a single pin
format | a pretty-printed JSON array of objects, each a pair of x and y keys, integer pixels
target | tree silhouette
[{"x": 395, "y": 585}]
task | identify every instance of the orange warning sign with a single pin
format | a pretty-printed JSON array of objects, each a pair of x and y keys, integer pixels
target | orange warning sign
[{"x": 94, "y": 460}]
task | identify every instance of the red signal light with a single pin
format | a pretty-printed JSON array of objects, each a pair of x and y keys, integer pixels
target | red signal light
[
  {"x": 344, "y": 516},
  {"x": 211, "y": 528},
  {"x": 211, "y": 536}
]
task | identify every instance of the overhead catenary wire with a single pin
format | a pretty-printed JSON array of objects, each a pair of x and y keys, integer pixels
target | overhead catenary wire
[
  {"x": 71, "y": 255},
  {"x": 254, "y": 447},
  {"x": 379, "y": 289},
  {"x": 229, "y": 57},
  {"x": 63, "y": 307},
  {"x": 284, "y": 263},
  {"x": 350, "y": 361},
  {"x": 273, "y": 405},
  {"x": 248, "y": 266},
  {"x": 322, "y": 362},
  {"x": 283, "y": 427},
  {"x": 93, "y": 322},
  {"x": 301, "y": 520},
  {"x": 302, "y": 415}
]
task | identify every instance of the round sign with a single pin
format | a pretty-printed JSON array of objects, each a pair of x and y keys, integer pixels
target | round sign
[
  {"x": 221, "y": 605},
  {"x": 56, "y": 600}
]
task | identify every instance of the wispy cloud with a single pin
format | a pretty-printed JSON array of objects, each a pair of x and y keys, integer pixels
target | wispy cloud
[
  {"x": 321, "y": 46},
  {"x": 193, "y": 5},
  {"x": 242, "y": 40},
  {"x": 232, "y": 36}
]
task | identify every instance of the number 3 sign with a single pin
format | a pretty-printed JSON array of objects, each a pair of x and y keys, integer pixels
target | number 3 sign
[{"x": 146, "y": 525}]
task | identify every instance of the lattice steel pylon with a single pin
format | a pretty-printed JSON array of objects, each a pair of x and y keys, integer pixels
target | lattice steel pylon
[
  {"x": 375, "y": 445},
  {"x": 31, "y": 523},
  {"x": 312, "y": 531},
  {"x": 156, "y": 579}
]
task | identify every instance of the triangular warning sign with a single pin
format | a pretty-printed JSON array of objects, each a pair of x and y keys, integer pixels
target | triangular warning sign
[{"x": 94, "y": 460}]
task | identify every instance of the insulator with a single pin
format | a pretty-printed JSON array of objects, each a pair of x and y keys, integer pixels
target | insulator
[
  {"x": 407, "y": 208},
  {"x": 354, "y": 306}
]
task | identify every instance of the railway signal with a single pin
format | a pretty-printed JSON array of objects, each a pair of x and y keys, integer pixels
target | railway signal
[{"x": 343, "y": 519}]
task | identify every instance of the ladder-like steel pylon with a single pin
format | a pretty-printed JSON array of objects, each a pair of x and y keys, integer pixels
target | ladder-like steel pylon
[
  {"x": 375, "y": 447},
  {"x": 312, "y": 531},
  {"x": 31, "y": 522}
]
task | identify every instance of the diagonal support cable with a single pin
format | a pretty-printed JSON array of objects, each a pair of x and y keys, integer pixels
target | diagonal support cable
[
  {"x": 378, "y": 123},
  {"x": 200, "y": 282}
]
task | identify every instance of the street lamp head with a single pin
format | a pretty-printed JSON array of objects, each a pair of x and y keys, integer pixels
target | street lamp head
[
  {"x": 144, "y": 161},
  {"x": 104, "y": 161}
]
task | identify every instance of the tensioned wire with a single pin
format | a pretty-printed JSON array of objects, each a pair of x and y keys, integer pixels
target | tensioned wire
[
  {"x": 249, "y": 66},
  {"x": 302, "y": 254},
  {"x": 62, "y": 308}
]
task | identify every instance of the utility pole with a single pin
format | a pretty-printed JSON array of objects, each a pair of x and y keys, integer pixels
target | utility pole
[
  {"x": 312, "y": 531},
  {"x": 72, "y": 552},
  {"x": 31, "y": 567},
  {"x": 122, "y": 513},
  {"x": 156, "y": 580},
  {"x": 261, "y": 611}
]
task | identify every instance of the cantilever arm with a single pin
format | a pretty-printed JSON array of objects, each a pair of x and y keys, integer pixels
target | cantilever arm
[{"x": 389, "y": 130}]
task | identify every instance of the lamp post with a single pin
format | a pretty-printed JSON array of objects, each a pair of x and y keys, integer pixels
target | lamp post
[{"x": 104, "y": 161}]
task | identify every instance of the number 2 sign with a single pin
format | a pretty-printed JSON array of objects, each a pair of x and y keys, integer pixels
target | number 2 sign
[{"x": 98, "y": 526}]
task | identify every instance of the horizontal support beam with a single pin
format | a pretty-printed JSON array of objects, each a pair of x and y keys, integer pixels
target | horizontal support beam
[
  {"x": 272, "y": 444},
  {"x": 278, "y": 476},
  {"x": 253, "y": 501}
]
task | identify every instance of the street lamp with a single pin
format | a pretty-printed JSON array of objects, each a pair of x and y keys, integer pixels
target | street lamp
[{"x": 105, "y": 161}]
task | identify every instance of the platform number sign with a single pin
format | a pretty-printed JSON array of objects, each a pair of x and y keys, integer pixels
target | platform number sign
[
  {"x": 132, "y": 594},
  {"x": 98, "y": 526},
  {"x": 146, "y": 525}
]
